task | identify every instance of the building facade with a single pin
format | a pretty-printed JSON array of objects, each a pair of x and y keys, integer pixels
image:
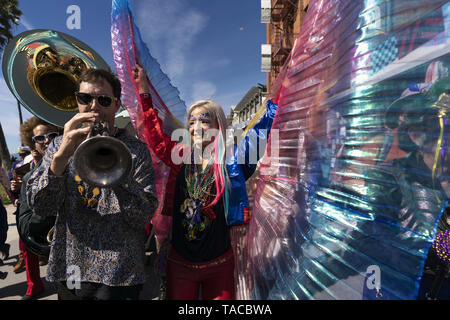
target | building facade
[
  {"x": 243, "y": 112},
  {"x": 286, "y": 17}
]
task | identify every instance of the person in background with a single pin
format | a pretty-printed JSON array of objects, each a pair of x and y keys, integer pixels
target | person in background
[
  {"x": 16, "y": 183},
  {"x": 16, "y": 179},
  {"x": 37, "y": 134},
  {"x": 4, "y": 247},
  {"x": 416, "y": 186}
]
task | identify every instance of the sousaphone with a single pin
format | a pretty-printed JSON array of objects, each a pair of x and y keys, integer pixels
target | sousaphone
[{"x": 41, "y": 69}]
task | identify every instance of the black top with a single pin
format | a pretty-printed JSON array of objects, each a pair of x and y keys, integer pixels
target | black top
[{"x": 208, "y": 244}]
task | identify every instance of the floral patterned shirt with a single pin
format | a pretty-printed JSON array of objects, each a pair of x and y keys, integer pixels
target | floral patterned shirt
[{"x": 104, "y": 244}]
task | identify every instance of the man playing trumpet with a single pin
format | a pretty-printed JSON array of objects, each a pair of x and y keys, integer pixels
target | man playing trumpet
[{"x": 97, "y": 250}]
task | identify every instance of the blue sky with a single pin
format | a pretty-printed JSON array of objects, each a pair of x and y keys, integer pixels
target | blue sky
[{"x": 208, "y": 48}]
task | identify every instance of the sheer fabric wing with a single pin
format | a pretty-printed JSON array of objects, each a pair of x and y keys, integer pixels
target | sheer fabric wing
[
  {"x": 129, "y": 48},
  {"x": 350, "y": 206}
]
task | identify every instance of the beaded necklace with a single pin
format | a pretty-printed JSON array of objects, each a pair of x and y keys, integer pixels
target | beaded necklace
[
  {"x": 442, "y": 245},
  {"x": 199, "y": 185},
  {"x": 90, "y": 202}
]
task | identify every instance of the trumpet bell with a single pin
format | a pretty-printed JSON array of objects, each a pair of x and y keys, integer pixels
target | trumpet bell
[{"x": 103, "y": 161}]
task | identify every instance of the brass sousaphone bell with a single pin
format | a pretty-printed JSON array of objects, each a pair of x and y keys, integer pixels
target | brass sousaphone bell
[{"x": 41, "y": 69}]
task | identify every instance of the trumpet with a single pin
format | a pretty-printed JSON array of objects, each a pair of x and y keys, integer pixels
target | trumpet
[
  {"x": 101, "y": 160},
  {"x": 50, "y": 235}
]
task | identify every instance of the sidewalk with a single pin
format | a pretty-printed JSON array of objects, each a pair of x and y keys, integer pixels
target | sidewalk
[{"x": 15, "y": 285}]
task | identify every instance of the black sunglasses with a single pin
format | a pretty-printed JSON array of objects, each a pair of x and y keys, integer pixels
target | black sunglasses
[
  {"x": 86, "y": 98},
  {"x": 42, "y": 137}
]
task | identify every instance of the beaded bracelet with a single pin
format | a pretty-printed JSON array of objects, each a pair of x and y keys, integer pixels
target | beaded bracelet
[{"x": 442, "y": 245}]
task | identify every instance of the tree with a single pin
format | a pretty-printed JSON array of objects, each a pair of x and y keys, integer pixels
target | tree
[
  {"x": 9, "y": 16},
  {"x": 5, "y": 160}
]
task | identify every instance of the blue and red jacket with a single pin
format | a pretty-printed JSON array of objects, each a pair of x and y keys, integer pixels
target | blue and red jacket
[{"x": 238, "y": 165}]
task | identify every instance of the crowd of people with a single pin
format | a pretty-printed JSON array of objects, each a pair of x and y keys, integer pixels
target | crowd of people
[
  {"x": 99, "y": 232},
  {"x": 98, "y": 242}
]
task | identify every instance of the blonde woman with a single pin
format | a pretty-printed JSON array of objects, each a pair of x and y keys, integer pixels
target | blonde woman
[{"x": 205, "y": 195}]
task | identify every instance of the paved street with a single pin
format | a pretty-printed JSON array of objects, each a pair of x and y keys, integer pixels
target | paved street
[{"x": 15, "y": 285}]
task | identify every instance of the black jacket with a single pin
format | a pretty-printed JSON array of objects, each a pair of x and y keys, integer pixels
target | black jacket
[{"x": 32, "y": 228}]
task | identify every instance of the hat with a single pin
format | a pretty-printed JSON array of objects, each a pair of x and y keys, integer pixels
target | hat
[
  {"x": 23, "y": 149},
  {"x": 417, "y": 102},
  {"x": 28, "y": 159}
]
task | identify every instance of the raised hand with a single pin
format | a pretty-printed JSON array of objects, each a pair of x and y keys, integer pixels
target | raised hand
[{"x": 140, "y": 78}]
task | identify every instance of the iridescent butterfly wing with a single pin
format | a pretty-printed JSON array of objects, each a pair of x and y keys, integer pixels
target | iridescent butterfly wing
[
  {"x": 129, "y": 49},
  {"x": 351, "y": 205}
]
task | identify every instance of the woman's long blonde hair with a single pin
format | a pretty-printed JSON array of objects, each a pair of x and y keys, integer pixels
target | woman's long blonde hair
[{"x": 220, "y": 172}]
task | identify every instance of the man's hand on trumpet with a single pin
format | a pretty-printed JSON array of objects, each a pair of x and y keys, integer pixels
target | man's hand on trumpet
[{"x": 74, "y": 134}]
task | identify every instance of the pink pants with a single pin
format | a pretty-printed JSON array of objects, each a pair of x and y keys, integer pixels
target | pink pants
[{"x": 216, "y": 278}]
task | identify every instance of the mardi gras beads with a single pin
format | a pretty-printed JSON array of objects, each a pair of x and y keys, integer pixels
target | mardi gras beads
[{"x": 442, "y": 245}]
